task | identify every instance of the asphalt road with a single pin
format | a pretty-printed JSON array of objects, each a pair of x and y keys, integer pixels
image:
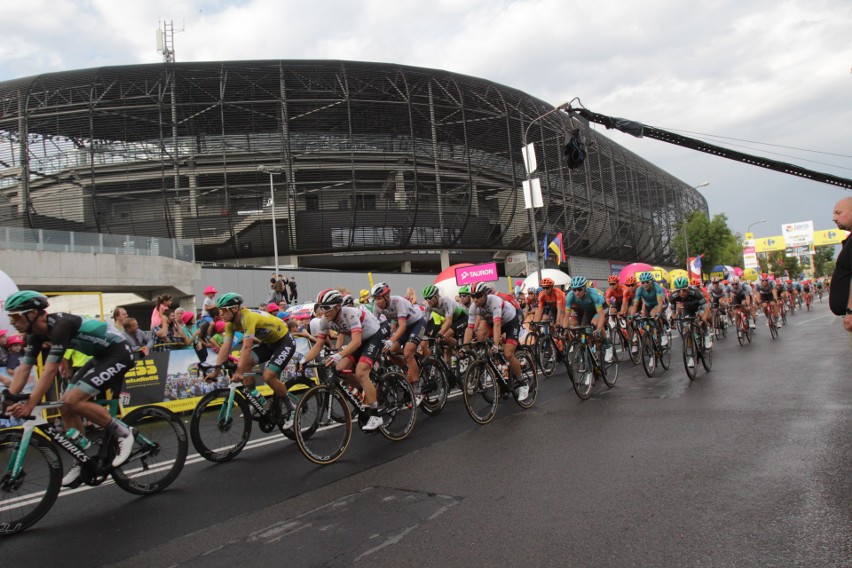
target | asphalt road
[{"x": 749, "y": 465}]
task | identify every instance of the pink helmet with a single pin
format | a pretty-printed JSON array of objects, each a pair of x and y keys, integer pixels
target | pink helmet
[
  {"x": 14, "y": 340},
  {"x": 210, "y": 290}
]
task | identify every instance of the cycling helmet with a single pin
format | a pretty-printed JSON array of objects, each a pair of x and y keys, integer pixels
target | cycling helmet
[
  {"x": 764, "y": 276},
  {"x": 695, "y": 282},
  {"x": 734, "y": 279},
  {"x": 364, "y": 296},
  {"x": 547, "y": 283},
  {"x": 330, "y": 296},
  {"x": 348, "y": 300},
  {"x": 430, "y": 292},
  {"x": 464, "y": 290},
  {"x": 228, "y": 300},
  {"x": 681, "y": 282},
  {"x": 646, "y": 277},
  {"x": 630, "y": 281},
  {"x": 578, "y": 282},
  {"x": 613, "y": 279},
  {"x": 25, "y": 301},
  {"x": 715, "y": 280},
  {"x": 481, "y": 288},
  {"x": 380, "y": 289}
]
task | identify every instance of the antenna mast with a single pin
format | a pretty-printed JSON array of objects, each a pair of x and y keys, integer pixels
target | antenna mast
[{"x": 166, "y": 40}]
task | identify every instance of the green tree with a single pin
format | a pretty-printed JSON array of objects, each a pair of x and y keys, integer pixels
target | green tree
[
  {"x": 824, "y": 260},
  {"x": 710, "y": 237}
]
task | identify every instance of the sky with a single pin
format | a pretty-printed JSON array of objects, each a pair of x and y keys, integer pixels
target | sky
[{"x": 765, "y": 77}]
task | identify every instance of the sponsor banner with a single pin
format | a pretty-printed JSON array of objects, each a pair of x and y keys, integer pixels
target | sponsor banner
[
  {"x": 477, "y": 273},
  {"x": 830, "y": 237},
  {"x": 750, "y": 260},
  {"x": 798, "y": 234},
  {"x": 719, "y": 275},
  {"x": 769, "y": 244},
  {"x": 615, "y": 268}
]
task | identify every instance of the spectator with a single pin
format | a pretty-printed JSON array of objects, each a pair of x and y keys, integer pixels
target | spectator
[
  {"x": 189, "y": 329},
  {"x": 14, "y": 346},
  {"x": 139, "y": 341},
  {"x": 411, "y": 296},
  {"x": 294, "y": 291},
  {"x": 3, "y": 345},
  {"x": 179, "y": 314},
  {"x": 276, "y": 291},
  {"x": 209, "y": 293},
  {"x": 206, "y": 328},
  {"x": 164, "y": 302},
  {"x": 840, "y": 293},
  {"x": 273, "y": 309},
  {"x": 285, "y": 288},
  {"x": 170, "y": 334},
  {"x": 119, "y": 314}
]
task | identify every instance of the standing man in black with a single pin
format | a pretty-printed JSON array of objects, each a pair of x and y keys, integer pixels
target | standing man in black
[{"x": 840, "y": 295}]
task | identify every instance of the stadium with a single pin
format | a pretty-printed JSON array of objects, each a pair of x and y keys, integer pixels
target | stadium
[{"x": 377, "y": 165}]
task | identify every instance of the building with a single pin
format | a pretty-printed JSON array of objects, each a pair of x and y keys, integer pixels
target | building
[{"x": 385, "y": 166}]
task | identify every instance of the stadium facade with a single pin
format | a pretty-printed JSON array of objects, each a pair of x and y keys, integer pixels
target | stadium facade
[{"x": 380, "y": 165}]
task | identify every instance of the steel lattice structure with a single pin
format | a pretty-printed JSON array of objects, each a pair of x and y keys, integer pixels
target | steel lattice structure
[{"x": 375, "y": 157}]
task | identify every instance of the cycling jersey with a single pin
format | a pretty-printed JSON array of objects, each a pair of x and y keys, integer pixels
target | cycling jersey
[
  {"x": 262, "y": 326},
  {"x": 649, "y": 297},
  {"x": 629, "y": 294},
  {"x": 349, "y": 320},
  {"x": 615, "y": 295},
  {"x": 555, "y": 298},
  {"x": 590, "y": 302},
  {"x": 448, "y": 308},
  {"x": 738, "y": 294},
  {"x": 68, "y": 331},
  {"x": 399, "y": 309},
  {"x": 494, "y": 309},
  {"x": 691, "y": 300},
  {"x": 717, "y": 291}
]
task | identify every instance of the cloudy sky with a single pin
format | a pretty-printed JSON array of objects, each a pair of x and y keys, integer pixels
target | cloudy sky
[{"x": 766, "y": 77}]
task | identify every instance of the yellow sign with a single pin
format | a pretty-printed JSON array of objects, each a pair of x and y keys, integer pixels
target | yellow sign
[
  {"x": 769, "y": 244},
  {"x": 829, "y": 237},
  {"x": 750, "y": 274},
  {"x": 658, "y": 275},
  {"x": 749, "y": 237},
  {"x": 719, "y": 275}
]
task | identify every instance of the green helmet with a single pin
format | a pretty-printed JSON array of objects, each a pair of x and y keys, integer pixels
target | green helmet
[
  {"x": 430, "y": 292},
  {"x": 681, "y": 282},
  {"x": 464, "y": 290},
  {"x": 25, "y": 301},
  {"x": 646, "y": 277},
  {"x": 228, "y": 300}
]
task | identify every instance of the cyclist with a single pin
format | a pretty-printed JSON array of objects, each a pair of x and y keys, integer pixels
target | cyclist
[
  {"x": 365, "y": 345},
  {"x": 586, "y": 305},
  {"x": 806, "y": 290},
  {"x": 689, "y": 300},
  {"x": 628, "y": 295},
  {"x": 768, "y": 297},
  {"x": 455, "y": 317},
  {"x": 502, "y": 316},
  {"x": 551, "y": 303},
  {"x": 411, "y": 324},
  {"x": 740, "y": 295},
  {"x": 266, "y": 339},
  {"x": 653, "y": 300},
  {"x": 719, "y": 294},
  {"x": 111, "y": 359},
  {"x": 615, "y": 293}
]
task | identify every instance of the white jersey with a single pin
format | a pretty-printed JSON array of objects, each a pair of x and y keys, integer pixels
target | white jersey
[
  {"x": 495, "y": 309},
  {"x": 399, "y": 309},
  {"x": 349, "y": 320}
]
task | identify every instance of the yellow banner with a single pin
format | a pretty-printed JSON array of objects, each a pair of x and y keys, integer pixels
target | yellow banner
[
  {"x": 829, "y": 237},
  {"x": 769, "y": 244}
]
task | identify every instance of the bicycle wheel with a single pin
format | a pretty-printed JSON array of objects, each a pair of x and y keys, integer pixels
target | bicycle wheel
[
  {"x": 322, "y": 424},
  {"x": 433, "y": 386},
  {"x": 666, "y": 351},
  {"x": 568, "y": 359},
  {"x": 584, "y": 373},
  {"x": 706, "y": 355},
  {"x": 530, "y": 378},
  {"x": 27, "y": 498},
  {"x": 773, "y": 331},
  {"x": 740, "y": 334},
  {"x": 689, "y": 356},
  {"x": 615, "y": 341},
  {"x": 480, "y": 392},
  {"x": 159, "y": 451},
  {"x": 649, "y": 357},
  {"x": 218, "y": 437},
  {"x": 397, "y": 398},
  {"x": 635, "y": 347},
  {"x": 547, "y": 355},
  {"x": 609, "y": 371}
]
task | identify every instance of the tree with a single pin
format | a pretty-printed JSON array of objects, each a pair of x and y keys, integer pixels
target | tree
[
  {"x": 824, "y": 260},
  {"x": 710, "y": 237},
  {"x": 776, "y": 262}
]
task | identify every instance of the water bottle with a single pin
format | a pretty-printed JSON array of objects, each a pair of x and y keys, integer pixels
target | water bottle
[
  {"x": 454, "y": 361},
  {"x": 504, "y": 371},
  {"x": 77, "y": 438},
  {"x": 260, "y": 398}
]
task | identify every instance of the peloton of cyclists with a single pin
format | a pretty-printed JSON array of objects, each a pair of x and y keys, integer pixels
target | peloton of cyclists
[{"x": 652, "y": 298}]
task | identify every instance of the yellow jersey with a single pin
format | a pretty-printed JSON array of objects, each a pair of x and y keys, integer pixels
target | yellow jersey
[{"x": 262, "y": 326}]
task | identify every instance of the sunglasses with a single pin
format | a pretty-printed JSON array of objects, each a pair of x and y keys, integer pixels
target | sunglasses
[
  {"x": 583, "y": 289},
  {"x": 613, "y": 283},
  {"x": 325, "y": 307},
  {"x": 478, "y": 296},
  {"x": 547, "y": 287}
]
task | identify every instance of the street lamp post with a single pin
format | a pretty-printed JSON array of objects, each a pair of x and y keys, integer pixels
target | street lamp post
[
  {"x": 272, "y": 170},
  {"x": 529, "y": 159},
  {"x": 686, "y": 233},
  {"x": 755, "y": 223}
]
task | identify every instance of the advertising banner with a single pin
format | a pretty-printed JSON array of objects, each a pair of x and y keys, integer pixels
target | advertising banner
[
  {"x": 769, "y": 244},
  {"x": 798, "y": 234},
  {"x": 829, "y": 237},
  {"x": 477, "y": 273}
]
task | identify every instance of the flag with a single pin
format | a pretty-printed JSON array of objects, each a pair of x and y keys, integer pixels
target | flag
[
  {"x": 544, "y": 247},
  {"x": 693, "y": 264},
  {"x": 558, "y": 250}
]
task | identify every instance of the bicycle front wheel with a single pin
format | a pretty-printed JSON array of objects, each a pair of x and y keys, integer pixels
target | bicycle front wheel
[
  {"x": 666, "y": 351},
  {"x": 323, "y": 424},
  {"x": 530, "y": 379},
  {"x": 547, "y": 355},
  {"x": 480, "y": 392},
  {"x": 689, "y": 356},
  {"x": 635, "y": 346},
  {"x": 434, "y": 386},
  {"x": 220, "y": 431},
  {"x": 159, "y": 451},
  {"x": 584, "y": 372},
  {"x": 706, "y": 355},
  {"x": 649, "y": 357},
  {"x": 400, "y": 409},
  {"x": 609, "y": 371},
  {"x": 30, "y": 495}
]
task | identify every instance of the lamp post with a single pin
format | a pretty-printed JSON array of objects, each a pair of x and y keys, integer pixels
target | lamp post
[
  {"x": 686, "y": 233},
  {"x": 755, "y": 223},
  {"x": 272, "y": 170},
  {"x": 529, "y": 164}
]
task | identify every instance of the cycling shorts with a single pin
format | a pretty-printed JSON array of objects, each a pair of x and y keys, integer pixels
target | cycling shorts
[
  {"x": 275, "y": 355},
  {"x": 413, "y": 333},
  {"x": 104, "y": 372},
  {"x": 370, "y": 350},
  {"x": 584, "y": 317}
]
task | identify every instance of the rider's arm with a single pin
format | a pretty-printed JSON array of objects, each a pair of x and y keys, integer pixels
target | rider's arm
[{"x": 353, "y": 345}]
